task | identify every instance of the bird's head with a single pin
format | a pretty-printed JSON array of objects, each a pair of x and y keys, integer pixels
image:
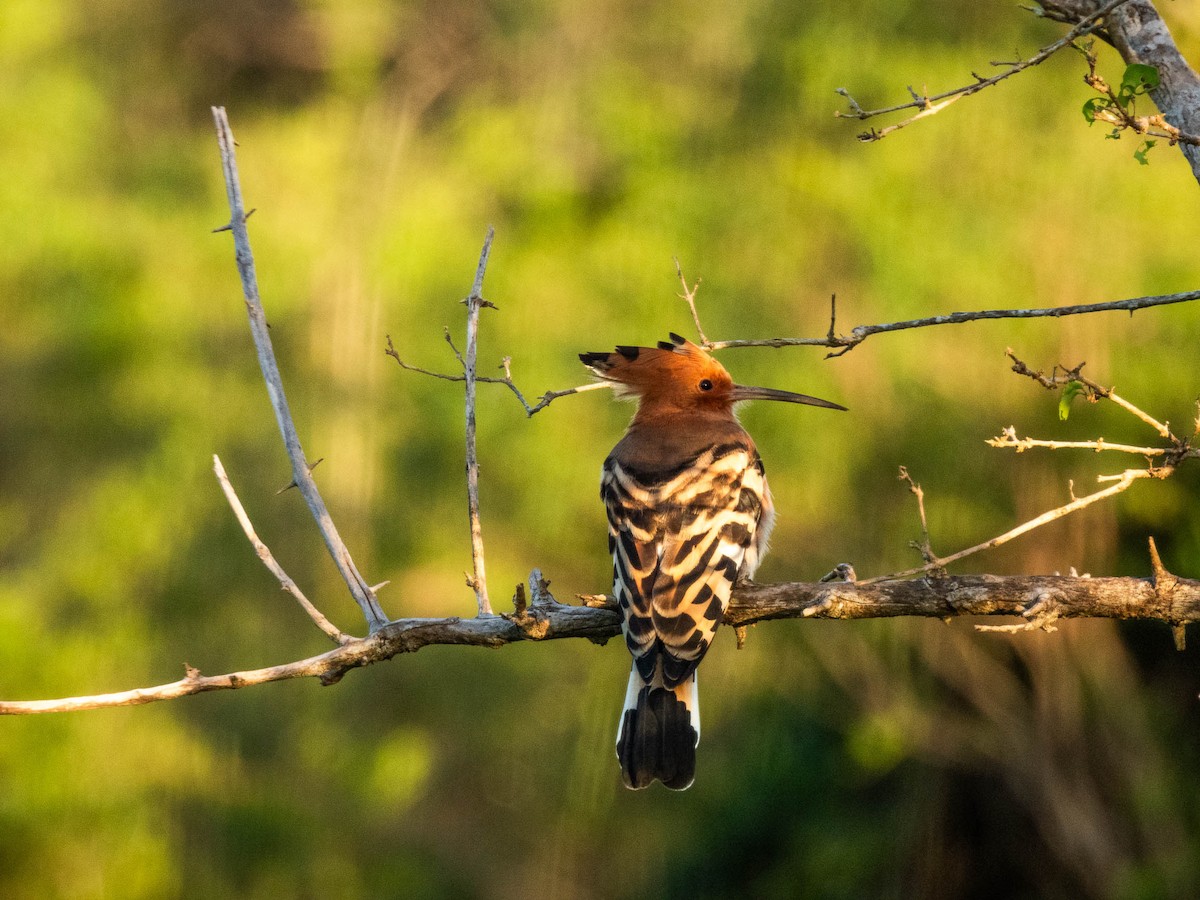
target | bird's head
[{"x": 677, "y": 377}]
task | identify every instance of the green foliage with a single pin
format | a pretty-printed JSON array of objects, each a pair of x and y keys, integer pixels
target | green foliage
[
  {"x": 1138, "y": 79},
  {"x": 1116, "y": 107},
  {"x": 377, "y": 141},
  {"x": 1069, "y": 392}
]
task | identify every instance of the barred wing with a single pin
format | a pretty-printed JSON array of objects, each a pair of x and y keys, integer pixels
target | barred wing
[{"x": 678, "y": 540}]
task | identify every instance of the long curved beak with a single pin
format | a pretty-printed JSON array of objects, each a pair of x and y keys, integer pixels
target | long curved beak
[{"x": 742, "y": 392}]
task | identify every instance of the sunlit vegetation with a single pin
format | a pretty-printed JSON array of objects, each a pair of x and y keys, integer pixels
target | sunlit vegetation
[{"x": 377, "y": 142}]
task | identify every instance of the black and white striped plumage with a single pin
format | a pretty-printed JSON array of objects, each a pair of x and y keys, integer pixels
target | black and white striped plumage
[
  {"x": 680, "y": 536},
  {"x": 689, "y": 512}
]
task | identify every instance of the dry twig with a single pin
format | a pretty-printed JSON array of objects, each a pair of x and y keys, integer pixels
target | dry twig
[
  {"x": 689, "y": 297},
  {"x": 475, "y": 302},
  {"x": 843, "y": 343},
  {"x": 268, "y": 558},
  {"x": 506, "y": 364},
  {"x": 931, "y": 105},
  {"x": 1170, "y": 456},
  {"x": 1040, "y": 600}
]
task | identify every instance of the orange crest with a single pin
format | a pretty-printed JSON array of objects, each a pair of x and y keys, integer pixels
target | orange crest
[{"x": 675, "y": 374}]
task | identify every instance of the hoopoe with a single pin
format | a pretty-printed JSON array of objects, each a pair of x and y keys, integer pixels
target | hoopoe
[{"x": 689, "y": 513}]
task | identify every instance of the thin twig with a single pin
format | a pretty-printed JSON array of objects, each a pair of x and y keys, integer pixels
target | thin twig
[
  {"x": 931, "y": 105},
  {"x": 545, "y": 400},
  {"x": 689, "y": 297},
  {"x": 925, "y": 546},
  {"x": 1122, "y": 483},
  {"x": 301, "y": 471},
  {"x": 1008, "y": 439},
  {"x": 860, "y": 333},
  {"x": 1055, "y": 380},
  {"x": 475, "y": 302},
  {"x": 1172, "y": 456},
  {"x": 264, "y": 553}
]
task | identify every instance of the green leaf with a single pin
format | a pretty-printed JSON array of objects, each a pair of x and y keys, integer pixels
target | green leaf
[
  {"x": 1069, "y": 393},
  {"x": 1093, "y": 106},
  {"x": 1140, "y": 153},
  {"x": 1139, "y": 78}
]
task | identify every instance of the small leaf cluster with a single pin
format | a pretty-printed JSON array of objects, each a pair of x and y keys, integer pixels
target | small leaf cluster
[{"x": 1117, "y": 107}]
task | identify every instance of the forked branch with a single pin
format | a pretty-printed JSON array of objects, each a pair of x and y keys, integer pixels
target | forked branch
[
  {"x": 301, "y": 470},
  {"x": 1161, "y": 464}
]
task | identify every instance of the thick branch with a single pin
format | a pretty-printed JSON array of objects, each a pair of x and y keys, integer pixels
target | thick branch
[
  {"x": 1140, "y": 35},
  {"x": 1037, "y": 599},
  {"x": 301, "y": 471}
]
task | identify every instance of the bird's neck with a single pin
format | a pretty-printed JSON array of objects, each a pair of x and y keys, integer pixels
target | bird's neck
[{"x": 657, "y": 441}]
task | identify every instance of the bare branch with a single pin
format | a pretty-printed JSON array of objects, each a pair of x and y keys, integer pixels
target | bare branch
[
  {"x": 929, "y": 106},
  {"x": 545, "y": 400},
  {"x": 861, "y": 332},
  {"x": 1122, "y": 482},
  {"x": 1171, "y": 456},
  {"x": 925, "y": 546},
  {"x": 689, "y": 297},
  {"x": 264, "y": 553},
  {"x": 1095, "y": 391},
  {"x": 301, "y": 471},
  {"x": 1008, "y": 440},
  {"x": 1175, "y": 602},
  {"x": 475, "y": 302}
]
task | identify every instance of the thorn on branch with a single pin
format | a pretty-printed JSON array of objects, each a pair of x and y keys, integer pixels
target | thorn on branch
[
  {"x": 1164, "y": 581},
  {"x": 228, "y": 226},
  {"x": 291, "y": 484}
]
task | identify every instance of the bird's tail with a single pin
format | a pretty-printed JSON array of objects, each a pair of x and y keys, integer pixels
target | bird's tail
[{"x": 658, "y": 733}]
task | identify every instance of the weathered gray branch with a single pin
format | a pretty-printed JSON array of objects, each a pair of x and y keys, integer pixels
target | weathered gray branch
[
  {"x": 475, "y": 303},
  {"x": 1140, "y": 35},
  {"x": 1037, "y": 600},
  {"x": 301, "y": 471},
  {"x": 846, "y": 342}
]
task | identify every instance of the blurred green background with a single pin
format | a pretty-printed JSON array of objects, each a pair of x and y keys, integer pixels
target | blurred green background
[{"x": 377, "y": 141}]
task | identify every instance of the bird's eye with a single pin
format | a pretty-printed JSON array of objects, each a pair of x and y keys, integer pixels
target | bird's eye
[{"x": 706, "y": 385}]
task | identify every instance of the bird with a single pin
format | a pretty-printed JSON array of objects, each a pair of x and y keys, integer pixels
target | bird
[{"x": 689, "y": 514}]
